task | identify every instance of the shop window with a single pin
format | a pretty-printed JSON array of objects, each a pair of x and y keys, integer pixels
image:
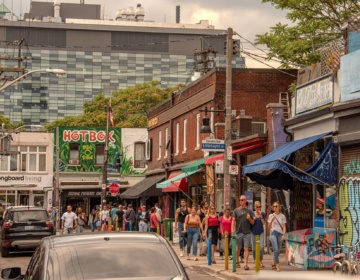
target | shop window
[
  {"x": 139, "y": 156},
  {"x": 100, "y": 154},
  {"x": 74, "y": 154}
]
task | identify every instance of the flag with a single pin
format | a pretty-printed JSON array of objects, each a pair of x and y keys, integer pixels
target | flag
[{"x": 111, "y": 116}]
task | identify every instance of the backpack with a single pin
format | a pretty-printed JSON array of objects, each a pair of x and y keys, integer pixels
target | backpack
[{"x": 158, "y": 215}]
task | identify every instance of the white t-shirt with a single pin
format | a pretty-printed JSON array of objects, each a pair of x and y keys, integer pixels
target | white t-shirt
[
  {"x": 278, "y": 224},
  {"x": 69, "y": 219},
  {"x": 104, "y": 215}
]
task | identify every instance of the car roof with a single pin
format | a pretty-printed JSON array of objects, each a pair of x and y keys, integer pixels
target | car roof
[
  {"x": 93, "y": 237},
  {"x": 18, "y": 208}
]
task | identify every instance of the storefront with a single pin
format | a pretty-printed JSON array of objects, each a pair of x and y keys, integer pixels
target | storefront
[{"x": 18, "y": 190}]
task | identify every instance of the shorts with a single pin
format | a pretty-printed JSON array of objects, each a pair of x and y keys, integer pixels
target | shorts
[
  {"x": 243, "y": 240},
  {"x": 97, "y": 223}
]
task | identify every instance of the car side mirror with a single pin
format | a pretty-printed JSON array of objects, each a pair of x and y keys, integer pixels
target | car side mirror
[{"x": 11, "y": 272}]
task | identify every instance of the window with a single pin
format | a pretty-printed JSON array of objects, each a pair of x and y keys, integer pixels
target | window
[
  {"x": 185, "y": 135},
  {"x": 167, "y": 141},
  {"x": 74, "y": 154},
  {"x": 139, "y": 156},
  {"x": 197, "y": 131},
  {"x": 100, "y": 154},
  {"x": 30, "y": 158},
  {"x": 177, "y": 138},
  {"x": 159, "y": 152}
]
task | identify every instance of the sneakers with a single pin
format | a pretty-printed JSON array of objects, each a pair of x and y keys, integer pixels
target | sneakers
[
  {"x": 221, "y": 257},
  {"x": 181, "y": 253},
  {"x": 195, "y": 259},
  {"x": 230, "y": 257}
]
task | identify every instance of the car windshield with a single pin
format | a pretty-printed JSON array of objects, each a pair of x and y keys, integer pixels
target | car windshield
[
  {"x": 29, "y": 215},
  {"x": 111, "y": 260}
]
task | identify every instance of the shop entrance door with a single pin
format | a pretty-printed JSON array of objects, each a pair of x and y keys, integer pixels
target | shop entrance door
[{"x": 24, "y": 199}]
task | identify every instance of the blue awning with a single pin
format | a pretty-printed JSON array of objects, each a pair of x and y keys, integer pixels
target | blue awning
[{"x": 271, "y": 161}]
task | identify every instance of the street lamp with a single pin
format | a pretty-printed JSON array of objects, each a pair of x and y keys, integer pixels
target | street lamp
[{"x": 57, "y": 72}]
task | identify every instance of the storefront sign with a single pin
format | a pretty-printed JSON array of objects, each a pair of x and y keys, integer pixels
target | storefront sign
[
  {"x": 82, "y": 193},
  {"x": 314, "y": 94},
  {"x": 16, "y": 179},
  {"x": 153, "y": 121}
]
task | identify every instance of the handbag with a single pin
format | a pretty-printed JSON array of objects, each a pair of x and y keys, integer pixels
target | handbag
[{"x": 183, "y": 234}]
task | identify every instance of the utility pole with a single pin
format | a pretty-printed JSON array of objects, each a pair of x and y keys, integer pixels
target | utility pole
[
  {"x": 106, "y": 157},
  {"x": 227, "y": 136},
  {"x": 56, "y": 200}
]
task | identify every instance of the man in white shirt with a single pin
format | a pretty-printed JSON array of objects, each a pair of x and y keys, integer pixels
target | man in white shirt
[{"x": 68, "y": 220}]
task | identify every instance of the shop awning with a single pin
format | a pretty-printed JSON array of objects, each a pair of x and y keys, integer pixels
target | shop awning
[
  {"x": 144, "y": 188},
  {"x": 212, "y": 159},
  {"x": 193, "y": 166},
  {"x": 322, "y": 171},
  {"x": 176, "y": 182},
  {"x": 272, "y": 160}
]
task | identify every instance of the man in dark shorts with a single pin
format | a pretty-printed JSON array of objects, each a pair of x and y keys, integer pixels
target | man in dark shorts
[
  {"x": 242, "y": 220},
  {"x": 120, "y": 217}
]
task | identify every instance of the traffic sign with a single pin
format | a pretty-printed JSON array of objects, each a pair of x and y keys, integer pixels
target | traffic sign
[
  {"x": 114, "y": 189},
  {"x": 229, "y": 155},
  {"x": 233, "y": 169},
  {"x": 214, "y": 145}
]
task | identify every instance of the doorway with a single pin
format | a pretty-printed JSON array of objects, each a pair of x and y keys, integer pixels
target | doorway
[{"x": 24, "y": 199}]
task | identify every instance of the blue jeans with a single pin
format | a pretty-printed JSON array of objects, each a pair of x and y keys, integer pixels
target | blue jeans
[
  {"x": 253, "y": 242},
  {"x": 69, "y": 230},
  {"x": 182, "y": 240},
  {"x": 275, "y": 239},
  {"x": 192, "y": 239}
]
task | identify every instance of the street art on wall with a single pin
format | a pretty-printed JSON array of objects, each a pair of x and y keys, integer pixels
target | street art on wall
[
  {"x": 310, "y": 248},
  {"x": 349, "y": 210}
]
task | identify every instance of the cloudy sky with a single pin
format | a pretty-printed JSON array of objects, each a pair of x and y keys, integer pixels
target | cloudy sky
[{"x": 246, "y": 17}]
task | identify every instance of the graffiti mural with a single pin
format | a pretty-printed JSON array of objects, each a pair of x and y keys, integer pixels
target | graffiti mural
[
  {"x": 349, "y": 210},
  {"x": 310, "y": 248}
]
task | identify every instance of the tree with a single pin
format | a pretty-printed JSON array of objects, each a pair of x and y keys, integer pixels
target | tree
[
  {"x": 316, "y": 23},
  {"x": 130, "y": 107},
  {"x": 7, "y": 125}
]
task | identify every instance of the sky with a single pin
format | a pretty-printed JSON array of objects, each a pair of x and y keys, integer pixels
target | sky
[{"x": 245, "y": 17}]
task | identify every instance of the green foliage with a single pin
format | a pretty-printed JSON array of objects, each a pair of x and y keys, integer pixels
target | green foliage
[
  {"x": 130, "y": 107},
  {"x": 8, "y": 125},
  {"x": 316, "y": 22}
]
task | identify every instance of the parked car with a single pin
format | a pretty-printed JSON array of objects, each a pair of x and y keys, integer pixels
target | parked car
[
  {"x": 23, "y": 227},
  {"x": 104, "y": 255}
]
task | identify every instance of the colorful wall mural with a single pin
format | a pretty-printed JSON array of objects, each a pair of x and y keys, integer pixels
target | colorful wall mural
[
  {"x": 310, "y": 248},
  {"x": 349, "y": 210}
]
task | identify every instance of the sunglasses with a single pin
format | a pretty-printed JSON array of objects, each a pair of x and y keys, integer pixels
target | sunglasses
[
  {"x": 275, "y": 206},
  {"x": 258, "y": 206}
]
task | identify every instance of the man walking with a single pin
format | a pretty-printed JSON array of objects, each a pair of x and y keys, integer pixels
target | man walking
[
  {"x": 120, "y": 217},
  {"x": 81, "y": 220},
  {"x": 68, "y": 220},
  {"x": 180, "y": 216},
  {"x": 242, "y": 220}
]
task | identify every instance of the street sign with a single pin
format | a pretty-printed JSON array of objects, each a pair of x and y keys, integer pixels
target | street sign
[
  {"x": 114, "y": 189},
  {"x": 214, "y": 145},
  {"x": 103, "y": 186},
  {"x": 219, "y": 167},
  {"x": 233, "y": 169},
  {"x": 229, "y": 153}
]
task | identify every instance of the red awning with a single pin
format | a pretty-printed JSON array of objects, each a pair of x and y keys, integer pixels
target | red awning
[
  {"x": 212, "y": 159},
  {"x": 178, "y": 185}
]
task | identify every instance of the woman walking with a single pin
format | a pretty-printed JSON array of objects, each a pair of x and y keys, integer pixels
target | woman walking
[
  {"x": 104, "y": 217},
  {"x": 143, "y": 218},
  {"x": 277, "y": 226},
  {"x": 258, "y": 229},
  {"x": 225, "y": 227},
  {"x": 212, "y": 223},
  {"x": 191, "y": 227}
]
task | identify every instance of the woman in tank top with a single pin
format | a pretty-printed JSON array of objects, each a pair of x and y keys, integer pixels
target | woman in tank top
[
  {"x": 202, "y": 212},
  {"x": 212, "y": 223},
  {"x": 225, "y": 227},
  {"x": 191, "y": 227}
]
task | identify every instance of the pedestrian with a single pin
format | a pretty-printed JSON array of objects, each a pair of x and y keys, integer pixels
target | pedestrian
[
  {"x": 92, "y": 220},
  {"x": 130, "y": 218},
  {"x": 113, "y": 213},
  {"x": 277, "y": 227},
  {"x": 203, "y": 211},
  {"x": 180, "y": 216},
  {"x": 212, "y": 223},
  {"x": 120, "y": 217},
  {"x": 258, "y": 229},
  {"x": 154, "y": 223},
  {"x": 81, "y": 220},
  {"x": 68, "y": 220},
  {"x": 225, "y": 229},
  {"x": 104, "y": 217},
  {"x": 192, "y": 225},
  {"x": 143, "y": 218},
  {"x": 241, "y": 223}
]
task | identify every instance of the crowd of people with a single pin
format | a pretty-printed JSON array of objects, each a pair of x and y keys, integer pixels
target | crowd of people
[
  {"x": 111, "y": 218},
  {"x": 206, "y": 223}
]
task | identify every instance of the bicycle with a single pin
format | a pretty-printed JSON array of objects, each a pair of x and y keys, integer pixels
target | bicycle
[
  {"x": 339, "y": 258},
  {"x": 350, "y": 265}
]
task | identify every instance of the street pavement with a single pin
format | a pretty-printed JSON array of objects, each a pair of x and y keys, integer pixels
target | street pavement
[{"x": 219, "y": 268}]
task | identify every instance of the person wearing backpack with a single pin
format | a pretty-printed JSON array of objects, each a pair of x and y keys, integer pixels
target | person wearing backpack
[{"x": 130, "y": 218}]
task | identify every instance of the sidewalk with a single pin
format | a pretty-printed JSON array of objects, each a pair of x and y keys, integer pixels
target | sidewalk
[{"x": 219, "y": 267}]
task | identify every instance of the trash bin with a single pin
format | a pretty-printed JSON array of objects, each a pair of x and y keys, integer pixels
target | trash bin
[{"x": 168, "y": 228}]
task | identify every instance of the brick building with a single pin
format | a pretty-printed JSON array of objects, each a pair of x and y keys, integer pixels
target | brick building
[{"x": 174, "y": 126}]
